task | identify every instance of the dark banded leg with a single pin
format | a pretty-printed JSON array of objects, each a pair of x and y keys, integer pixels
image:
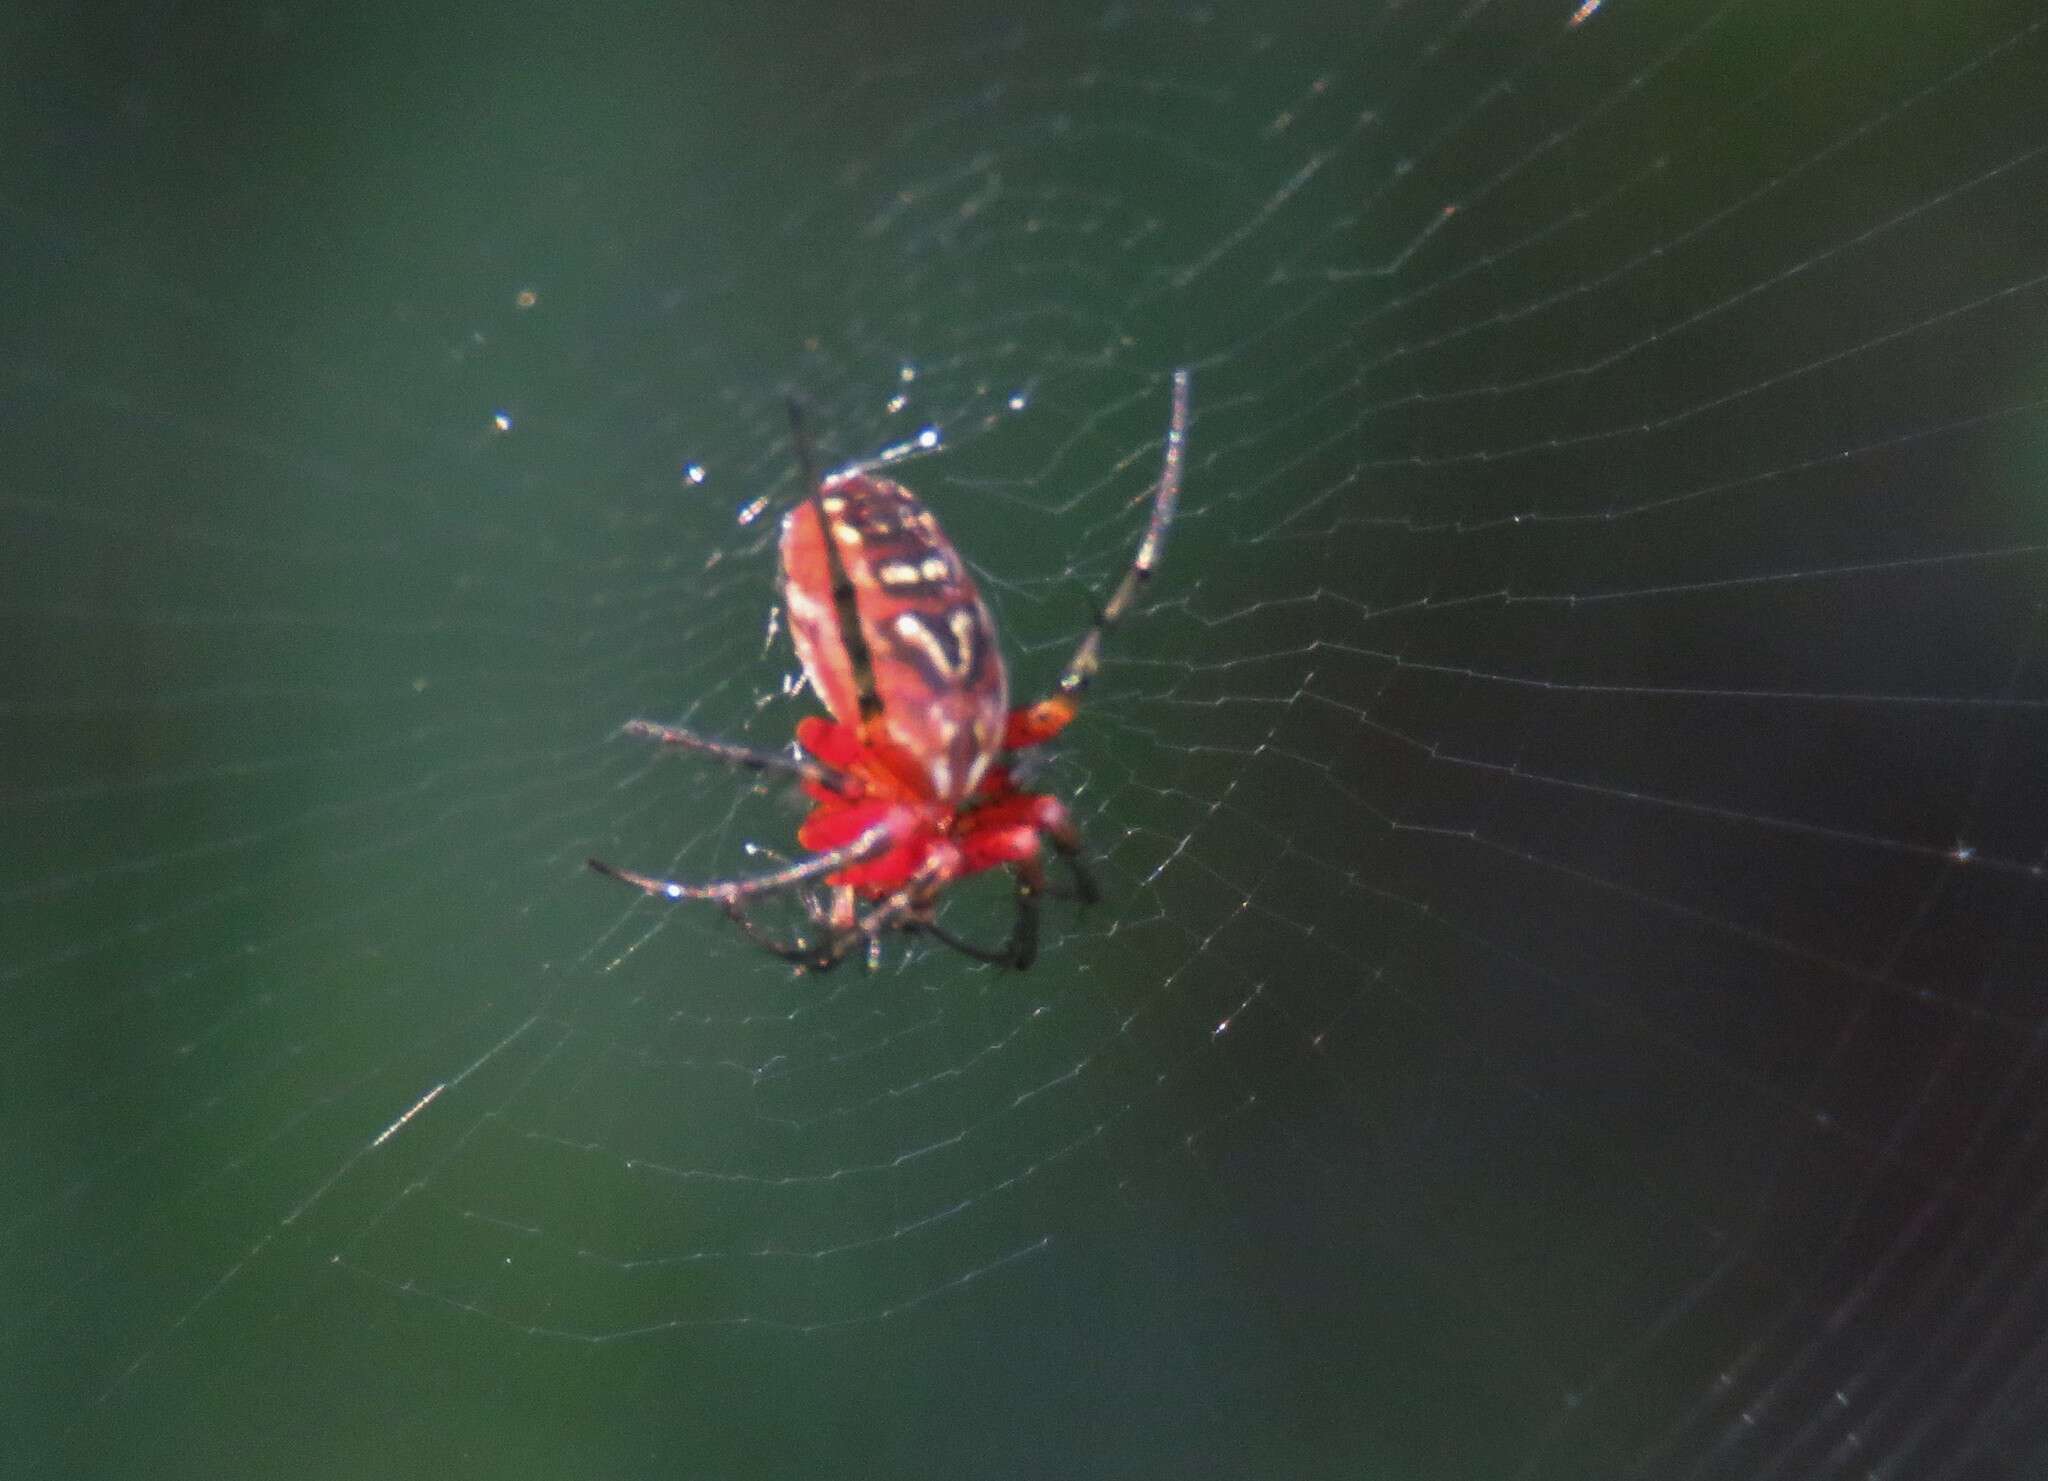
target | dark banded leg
[
  {"x": 1022, "y": 948},
  {"x": 806, "y": 895},
  {"x": 836, "y": 947},
  {"x": 1041, "y": 722},
  {"x": 863, "y": 934},
  {"x": 1066, "y": 842},
  {"x": 727, "y": 892},
  {"x": 747, "y": 756}
]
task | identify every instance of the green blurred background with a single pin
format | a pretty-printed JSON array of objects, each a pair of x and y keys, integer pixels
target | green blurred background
[{"x": 1567, "y": 1001}]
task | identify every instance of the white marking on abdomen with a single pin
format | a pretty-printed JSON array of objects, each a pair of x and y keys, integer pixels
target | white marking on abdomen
[{"x": 952, "y": 667}]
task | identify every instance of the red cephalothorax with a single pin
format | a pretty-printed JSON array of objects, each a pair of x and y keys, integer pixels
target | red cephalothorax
[{"x": 909, "y": 778}]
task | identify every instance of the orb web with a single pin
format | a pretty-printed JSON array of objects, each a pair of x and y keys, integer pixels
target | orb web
[{"x": 1565, "y": 998}]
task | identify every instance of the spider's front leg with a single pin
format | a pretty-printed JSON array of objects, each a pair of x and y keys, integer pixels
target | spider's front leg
[
  {"x": 747, "y": 756},
  {"x": 1035, "y": 724}
]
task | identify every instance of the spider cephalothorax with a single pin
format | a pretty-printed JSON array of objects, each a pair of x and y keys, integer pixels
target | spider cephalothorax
[{"x": 910, "y": 778}]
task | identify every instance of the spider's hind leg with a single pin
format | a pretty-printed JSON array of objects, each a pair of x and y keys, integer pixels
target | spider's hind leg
[
  {"x": 799, "y": 953},
  {"x": 1066, "y": 842}
]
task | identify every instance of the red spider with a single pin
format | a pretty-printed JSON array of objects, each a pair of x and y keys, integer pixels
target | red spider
[{"x": 911, "y": 775}]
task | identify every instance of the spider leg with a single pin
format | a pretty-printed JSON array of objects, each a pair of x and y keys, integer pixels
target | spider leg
[
  {"x": 876, "y": 840},
  {"x": 843, "y": 941},
  {"x": 1021, "y": 950},
  {"x": 1066, "y": 842},
  {"x": 807, "y": 895},
  {"x": 836, "y": 948},
  {"x": 798, "y": 953},
  {"x": 747, "y": 756},
  {"x": 1040, "y": 722},
  {"x": 1003, "y": 958}
]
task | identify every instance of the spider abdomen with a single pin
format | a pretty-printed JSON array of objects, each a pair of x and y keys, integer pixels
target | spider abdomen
[{"x": 892, "y": 632}]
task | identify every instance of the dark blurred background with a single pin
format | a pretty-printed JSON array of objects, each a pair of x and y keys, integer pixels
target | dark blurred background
[{"x": 1567, "y": 1002}]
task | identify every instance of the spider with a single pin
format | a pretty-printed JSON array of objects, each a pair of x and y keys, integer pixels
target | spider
[{"x": 911, "y": 778}]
